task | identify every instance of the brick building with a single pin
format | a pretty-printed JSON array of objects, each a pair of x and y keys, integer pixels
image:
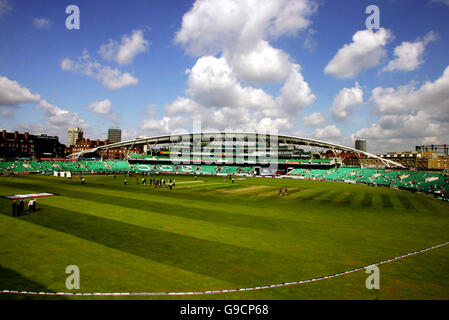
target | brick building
[{"x": 14, "y": 145}]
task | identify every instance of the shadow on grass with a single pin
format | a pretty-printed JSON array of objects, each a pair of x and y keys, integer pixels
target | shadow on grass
[
  {"x": 11, "y": 280},
  {"x": 231, "y": 263}
]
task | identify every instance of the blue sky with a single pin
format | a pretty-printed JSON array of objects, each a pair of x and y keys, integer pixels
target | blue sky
[{"x": 302, "y": 67}]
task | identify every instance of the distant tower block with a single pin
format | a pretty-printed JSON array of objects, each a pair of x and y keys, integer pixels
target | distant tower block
[
  {"x": 74, "y": 134},
  {"x": 114, "y": 135},
  {"x": 360, "y": 144}
]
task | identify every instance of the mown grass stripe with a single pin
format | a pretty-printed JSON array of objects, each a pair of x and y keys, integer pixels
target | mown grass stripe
[
  {"x": 406, "y": 203},
  {"x": 185, "y": 252},
  {"x": 367, "y": 199},
  {"x": 386, "y": 201},
  {"x": 17, "y": 281}
]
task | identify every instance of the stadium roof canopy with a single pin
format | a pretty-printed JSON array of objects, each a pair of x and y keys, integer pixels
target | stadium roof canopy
[{"x": 175, "y": 138}]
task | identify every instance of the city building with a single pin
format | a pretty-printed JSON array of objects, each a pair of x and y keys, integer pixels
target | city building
[
  {"x": 420, "y": 160},
  {"x": 443, "y": 148},
  {"x": 15, "y": 145},
  {"x": 114, "y": 135},
  {"x": 360, "y": 144},
  {"x": 74, "y": 134}
]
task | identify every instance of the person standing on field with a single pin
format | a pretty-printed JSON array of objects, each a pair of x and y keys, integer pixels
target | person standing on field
[
  {"x": 14, "y": 208},
  {"x": 21, "y": 207}
]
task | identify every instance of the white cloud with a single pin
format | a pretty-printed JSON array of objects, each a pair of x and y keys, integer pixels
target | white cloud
[
  {"x": 124, "y": 52},
  {"x": 103, "y": 108},
  {"x": 409, "y": 55},
  {"x": 365, "y": 52},
  {"x": 212, "y": 83},
  {"x": 240, "y": 31},
  {"x": 129, "y": 134},
  {"x": 263, "y": 63},
  {"x": 113, "y": 79},
  {"x": 315, "y": 119},
  {"x": 328, "y": 133},
  {"x": 57, "y": 120},
  {"x": 212, "y": 26},
  {"x": 402, "y": 132},
  {"x": 166, "y": 125},
  {"x": 345, "y": 99},
  {"x": 295, "y": 94},
  {"x": 181, "y": 105},
  {"x": 42, "y": 23},
  {"x": 280, "y": 124},
  {"x": 5, "y": 7},
  {"x": 218, "y": 100},
  {"x": 13, "y": 94},
  {"x": 432, "y": 97}
]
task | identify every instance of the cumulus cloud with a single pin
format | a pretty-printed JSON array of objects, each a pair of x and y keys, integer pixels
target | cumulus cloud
[
  {"x": 403, "y": 132},
  {"x": 315, "y": 119},
  {"x": 113, "y": 79},
  {"x": 57, "y": 120},
  {"x": 411, "y": 115},
  {"x": 328, "y": 133},
  {"x": 181, "y": 114},
  {"x": 42, "y": 23},
  {"x": 432, "y": 97},
  {"x": 240, "y": 31},
  {"x": 181, "y": 105},
  {"x": 103, "y": 108},
  {"x": 295, "y": 94},
  {"x": 124, "y": 52},
  {"x": 345, "y": 99},
  {"x": 212, "y": 83},
  {"x": 262, "y": 63},
  {"x": 267, "y": 124},
  {"x": 409, "y": 55},
  {"x": 13, "y": 94},
  {"x": 231, "y": 39},
  {"x": 212, "y": 26},
  {"x": 365, "y": 52}
]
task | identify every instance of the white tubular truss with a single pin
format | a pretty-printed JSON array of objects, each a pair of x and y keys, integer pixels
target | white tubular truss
[{"x": 284, "y": 138}]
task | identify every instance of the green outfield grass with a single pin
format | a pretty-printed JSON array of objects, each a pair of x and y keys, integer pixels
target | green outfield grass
[{"x": 211, "y": 234}]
